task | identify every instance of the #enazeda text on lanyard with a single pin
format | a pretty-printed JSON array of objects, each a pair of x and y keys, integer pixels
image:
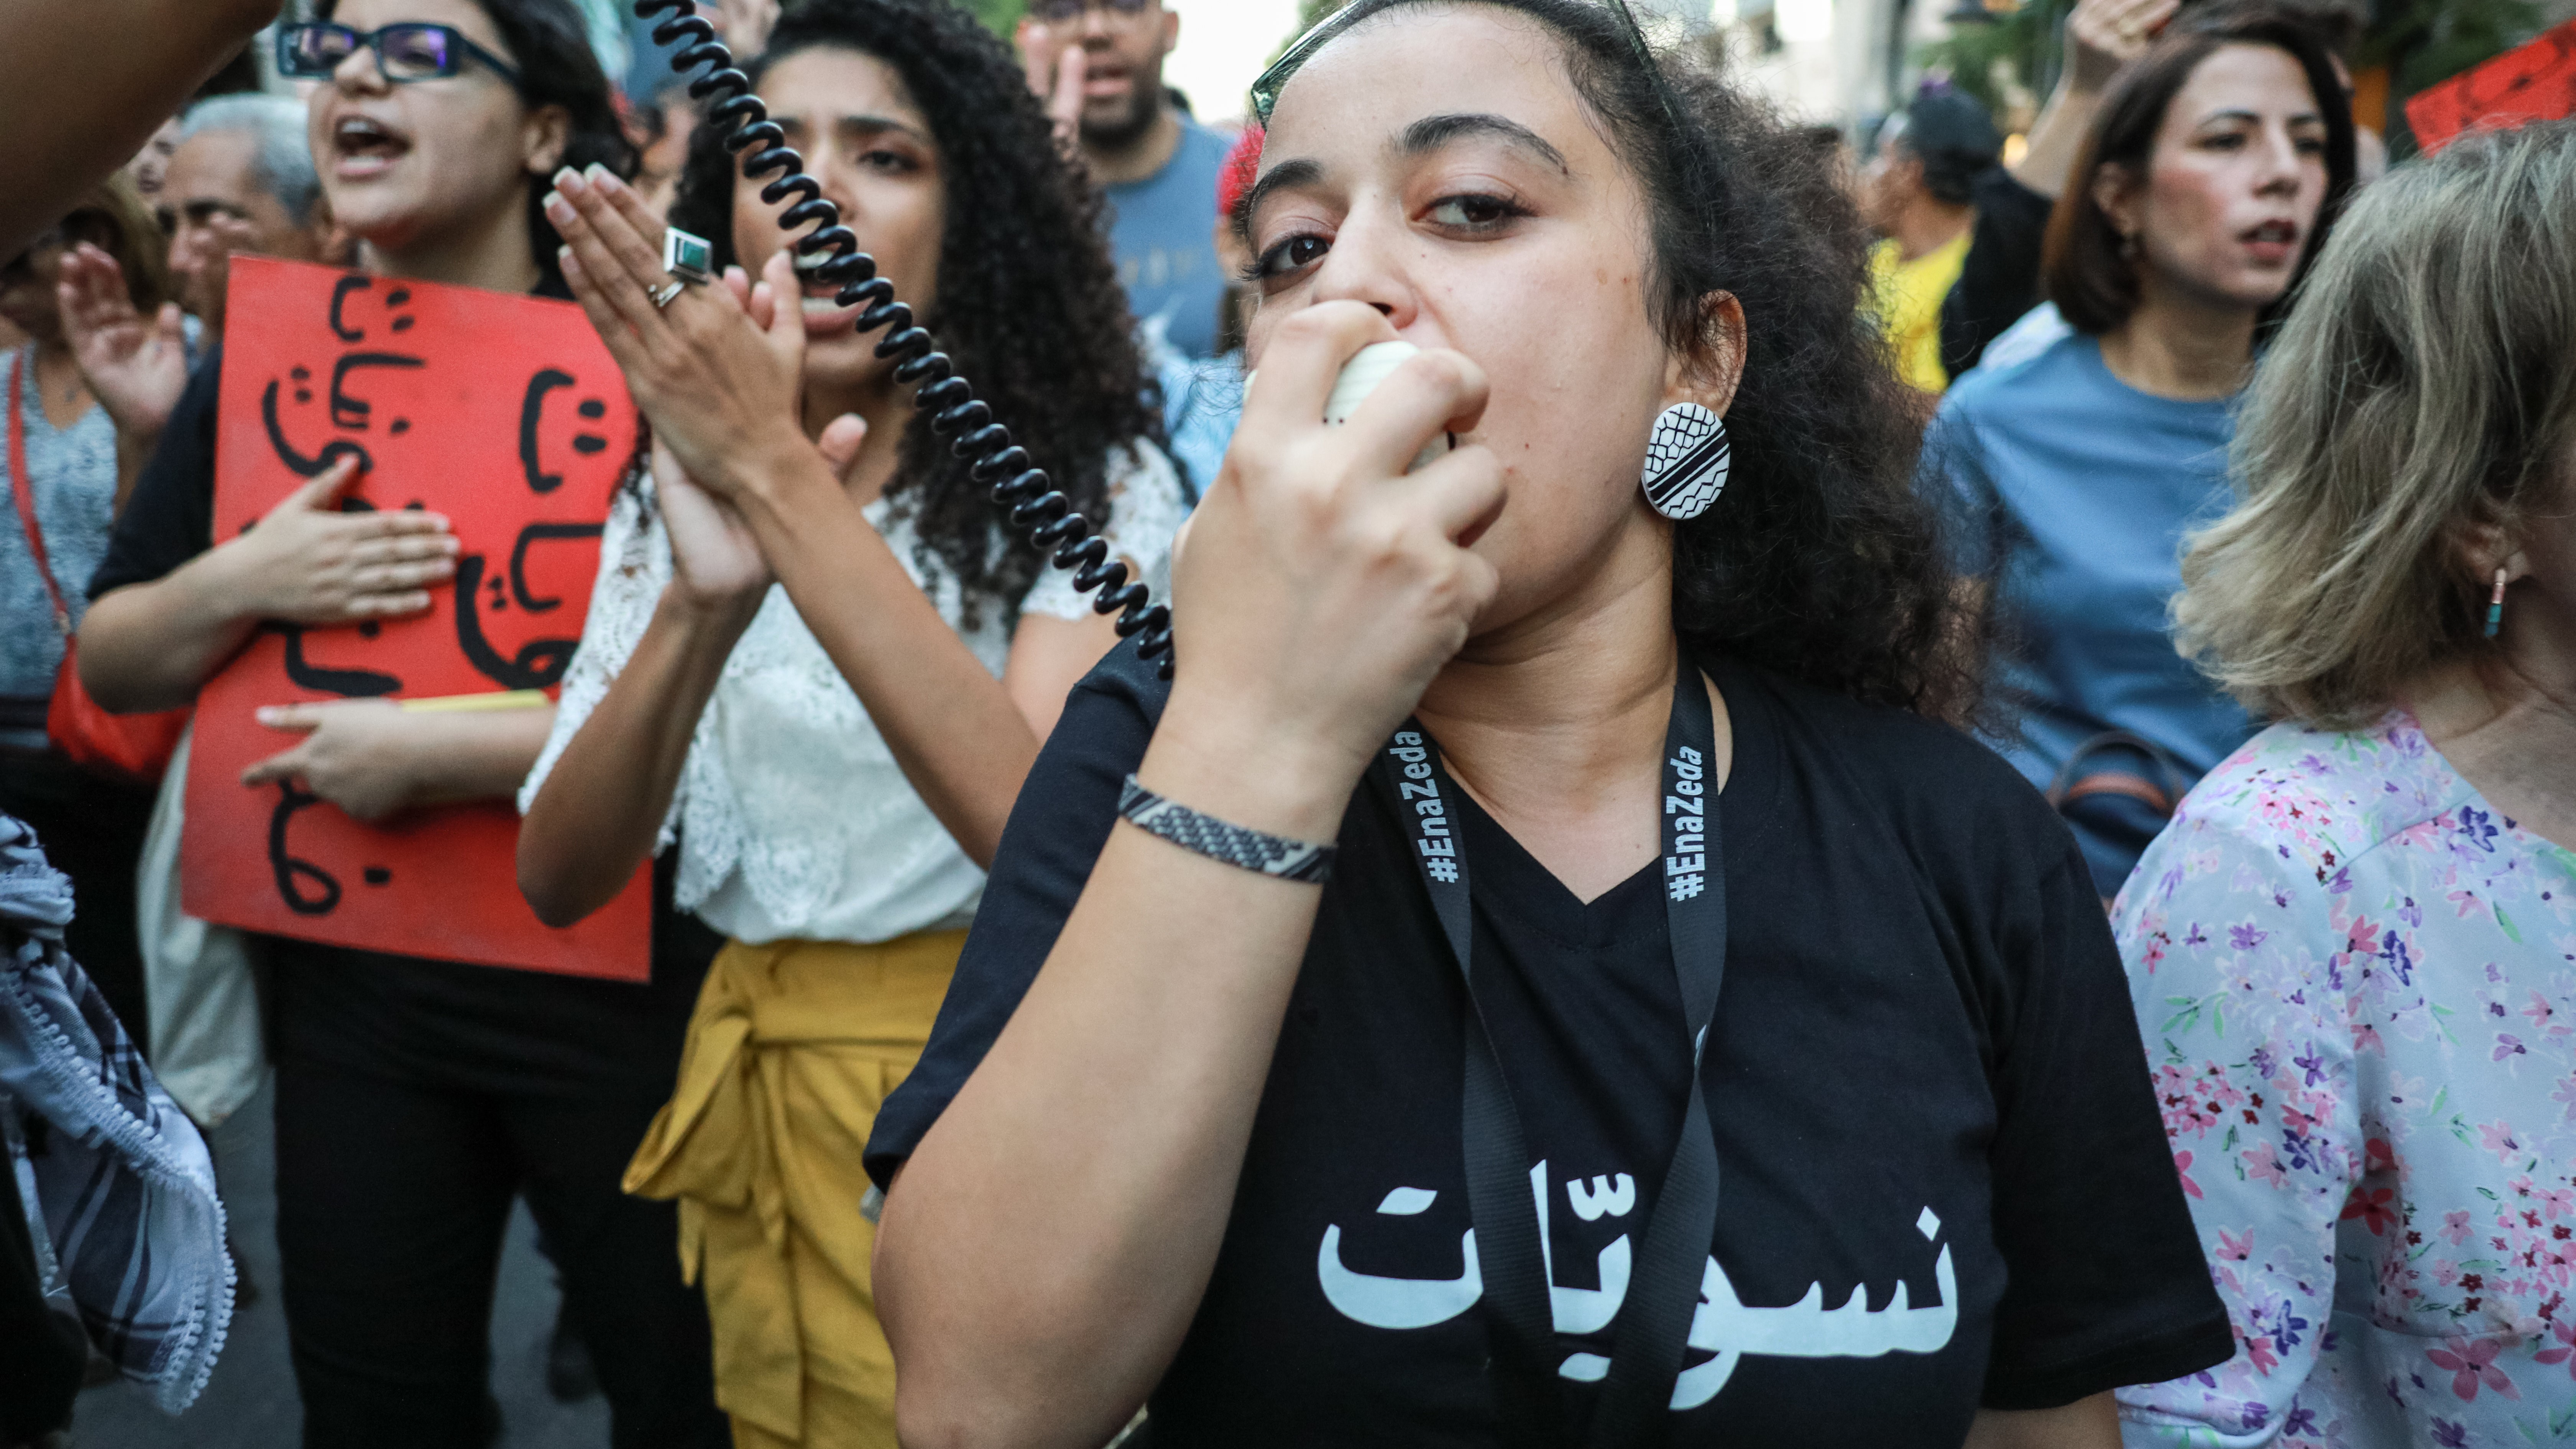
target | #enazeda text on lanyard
[{"x": 1653, "y": 1327}]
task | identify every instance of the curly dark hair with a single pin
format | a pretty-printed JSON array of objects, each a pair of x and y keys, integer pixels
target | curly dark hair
[
  {"x": 1820, "y": 562},
  {"x": 550, "y": 45},
  {"x": 1029, "y": 304}
]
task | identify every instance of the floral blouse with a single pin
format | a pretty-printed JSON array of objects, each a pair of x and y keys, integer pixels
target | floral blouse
[{"x": 2357, "y": 986}]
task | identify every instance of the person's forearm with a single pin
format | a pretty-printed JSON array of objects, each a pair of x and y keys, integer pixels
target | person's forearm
[
  {"x": 1047, "y": 1245},
  {"x": 600, "y": 811},
  {"x": 150, "y": 646},
  {"x": 961, "y": 742},
  {"x": 475, "y": 754},
  {"x": 72, "y": 117},
  {"x": 2057, "y": 137},
  {"x": 2092, "y": 1423}
]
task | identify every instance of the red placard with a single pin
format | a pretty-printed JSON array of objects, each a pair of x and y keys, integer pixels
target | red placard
[
  {"x": 503, "y": 413},
  {"x": 2536, "y": 82}
]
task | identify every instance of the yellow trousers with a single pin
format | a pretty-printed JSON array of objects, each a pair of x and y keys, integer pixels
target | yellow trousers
[{"x": 791, "y": 1051}]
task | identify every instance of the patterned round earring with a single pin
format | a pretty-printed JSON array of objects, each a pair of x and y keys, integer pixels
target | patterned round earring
[{"x": 1686, "y": 461}]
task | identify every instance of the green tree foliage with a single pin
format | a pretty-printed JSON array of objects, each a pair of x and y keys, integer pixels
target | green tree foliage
[
  {"x": 1002, "y": 16},
  {"x": 1988, "y": 59},
  {"x": 2422, "y": 41},
  {"x": 2425, "y": 41}
]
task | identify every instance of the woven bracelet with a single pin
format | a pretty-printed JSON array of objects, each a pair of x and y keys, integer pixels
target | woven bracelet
[{"x": 1251, "y": 850}]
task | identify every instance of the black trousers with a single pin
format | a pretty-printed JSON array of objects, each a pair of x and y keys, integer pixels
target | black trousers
[
  {"x": 391, "y": 1203},
  {"x": 42, "y": 1353},
  {"x": 92, "y": 829}
]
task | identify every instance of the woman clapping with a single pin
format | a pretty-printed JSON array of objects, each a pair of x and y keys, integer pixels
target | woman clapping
[{"x": 817, "y": 667}]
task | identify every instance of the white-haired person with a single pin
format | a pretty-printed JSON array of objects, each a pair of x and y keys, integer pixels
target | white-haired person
[
  {"x": 2350, "y": 953},
  {"x": 241, "y": 181}
]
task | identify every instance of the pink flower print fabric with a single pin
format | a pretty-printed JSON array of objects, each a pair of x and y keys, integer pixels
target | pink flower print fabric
[{"x": 2356, "y": 981}]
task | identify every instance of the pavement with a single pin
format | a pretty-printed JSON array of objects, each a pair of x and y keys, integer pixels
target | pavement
[{"x": 250, "y": 1402}]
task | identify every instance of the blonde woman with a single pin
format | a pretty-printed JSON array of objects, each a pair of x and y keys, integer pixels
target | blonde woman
[{"x": 2351, "y": 953}]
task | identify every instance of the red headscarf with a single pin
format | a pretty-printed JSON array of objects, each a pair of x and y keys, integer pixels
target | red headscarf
[{"x": 1242, "y": 164}]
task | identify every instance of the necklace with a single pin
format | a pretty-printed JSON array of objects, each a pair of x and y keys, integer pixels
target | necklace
[{"x": 75, "y": 396}]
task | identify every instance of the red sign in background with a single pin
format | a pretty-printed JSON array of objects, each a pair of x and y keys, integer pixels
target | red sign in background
[
  {"x": 506, "y": 415},
  {"x": 2536, "y": 82}
]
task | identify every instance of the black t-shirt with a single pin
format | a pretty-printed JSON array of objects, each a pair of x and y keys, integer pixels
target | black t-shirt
[
  {"x": 1924, "y": 1078},
  {"x": 1999, "y": 279},
  {"x": 435, "y": 1023}
]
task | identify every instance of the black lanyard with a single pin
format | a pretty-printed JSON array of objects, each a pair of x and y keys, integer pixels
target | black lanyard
[{"x": 1663, "y": 1293}]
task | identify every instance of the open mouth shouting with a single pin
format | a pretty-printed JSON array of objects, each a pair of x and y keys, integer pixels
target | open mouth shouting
[
  {"x": 823, "y": 315},
  {"x": 364, "y": 147},
  {"x": 1106, "y": 79},
  {"x": 2273, "y": 243}
]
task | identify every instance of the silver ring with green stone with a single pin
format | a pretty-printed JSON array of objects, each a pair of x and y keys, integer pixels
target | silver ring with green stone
[{"x": 688, "y": 257}]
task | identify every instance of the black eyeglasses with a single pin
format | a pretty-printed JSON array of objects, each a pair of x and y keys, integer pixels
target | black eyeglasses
[
  {"x": 412, "y": 51},
  {"x": 1057, "y": 12}
]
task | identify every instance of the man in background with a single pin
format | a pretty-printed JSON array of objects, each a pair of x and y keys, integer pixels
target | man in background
[
  {"x": 242, "y": 180},
  {"x": 1099, "y": 66},
  {"x": 1916, "y": 193}
]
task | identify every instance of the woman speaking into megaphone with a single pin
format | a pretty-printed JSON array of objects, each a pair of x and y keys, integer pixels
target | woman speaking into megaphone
[{"x": 1543, "y": 971}]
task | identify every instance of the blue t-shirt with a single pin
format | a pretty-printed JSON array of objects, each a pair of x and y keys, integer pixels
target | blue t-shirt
[
  {"x": 1163, "y": 230},
  {"x": 1202, "y": 404},
  {"x": 2072, "y": 491}
]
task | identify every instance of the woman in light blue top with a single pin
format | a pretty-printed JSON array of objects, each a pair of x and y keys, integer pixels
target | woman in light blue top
[
  {"x": 2216, "y": 164},
  {"x": 59, "y": 463}
]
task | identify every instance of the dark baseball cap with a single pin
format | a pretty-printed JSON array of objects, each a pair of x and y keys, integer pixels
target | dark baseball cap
[{"x": 1944, "y": 118}]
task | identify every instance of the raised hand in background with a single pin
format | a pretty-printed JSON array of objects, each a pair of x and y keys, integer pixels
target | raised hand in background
[
  {"x": 136, "y": 366},
  {"x": 2101, "y": 37}
]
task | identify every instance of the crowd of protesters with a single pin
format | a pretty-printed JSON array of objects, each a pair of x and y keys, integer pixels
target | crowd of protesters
[{"x": 2019, "y": 892}]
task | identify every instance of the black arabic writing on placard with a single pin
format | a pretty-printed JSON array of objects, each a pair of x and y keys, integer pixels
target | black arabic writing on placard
[
  {"x": 326, "y": 897},
  {"x": 538, "y": 664},
  {"x": 532, "y": 413}
]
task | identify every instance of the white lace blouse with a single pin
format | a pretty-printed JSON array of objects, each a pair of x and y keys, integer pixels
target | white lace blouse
[{"x": 792, "y": 818}]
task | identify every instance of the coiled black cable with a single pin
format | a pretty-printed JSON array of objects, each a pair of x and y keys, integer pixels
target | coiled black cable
[{"x": 1018, "y": 484}]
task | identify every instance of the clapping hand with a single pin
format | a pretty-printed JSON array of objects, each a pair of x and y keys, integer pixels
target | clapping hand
[
  {"x": 715, "y": 559},
  {"x": 718, "y": 370},
  {"x": 136, "y": 366}
]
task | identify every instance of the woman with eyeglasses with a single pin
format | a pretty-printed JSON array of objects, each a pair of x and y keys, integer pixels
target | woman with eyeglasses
[
  {"x": 1543, "y": 972},
  {"x": 416, "y": 1098}
]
